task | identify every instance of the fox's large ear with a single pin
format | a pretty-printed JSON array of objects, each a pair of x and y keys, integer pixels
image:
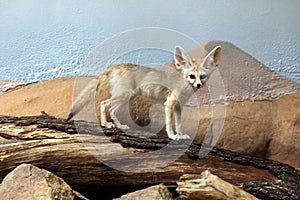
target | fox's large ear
[
  {"x": 181, "y": 58},
  {"x": 212, "y": 59}
]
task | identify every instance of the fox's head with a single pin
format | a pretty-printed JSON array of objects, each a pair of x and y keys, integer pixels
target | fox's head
[{"x": 196, "y": 71}]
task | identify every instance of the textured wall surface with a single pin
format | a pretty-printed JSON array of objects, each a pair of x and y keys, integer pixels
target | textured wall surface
[{"x": 43, "y": 39}]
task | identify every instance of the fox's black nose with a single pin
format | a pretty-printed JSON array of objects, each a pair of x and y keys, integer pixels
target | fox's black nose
[{"x": 199, "y": 85}]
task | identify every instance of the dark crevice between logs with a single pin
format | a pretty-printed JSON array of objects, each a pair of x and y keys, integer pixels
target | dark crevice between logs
[{"x": 287, "y": 187}]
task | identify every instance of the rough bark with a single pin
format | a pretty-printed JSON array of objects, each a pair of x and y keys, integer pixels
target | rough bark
[{"x": 81, "y": 159}]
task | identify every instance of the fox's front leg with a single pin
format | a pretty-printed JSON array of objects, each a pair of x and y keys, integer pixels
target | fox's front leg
[
  {"x": 177, "y": 115},
  {"x": 169, "y": 107}
]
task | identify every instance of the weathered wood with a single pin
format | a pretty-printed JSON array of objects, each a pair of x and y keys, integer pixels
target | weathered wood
[{"x": 91, "y": 160}]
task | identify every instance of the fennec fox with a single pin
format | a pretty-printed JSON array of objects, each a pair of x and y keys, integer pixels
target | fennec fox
[{"x": 171, "y": 89}]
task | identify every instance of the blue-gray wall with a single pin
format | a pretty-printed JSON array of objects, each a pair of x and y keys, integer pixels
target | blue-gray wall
[{"x": 43, "y": 39}]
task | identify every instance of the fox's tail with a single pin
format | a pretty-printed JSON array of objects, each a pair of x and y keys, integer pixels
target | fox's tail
[{"x": 84, "y": 96}]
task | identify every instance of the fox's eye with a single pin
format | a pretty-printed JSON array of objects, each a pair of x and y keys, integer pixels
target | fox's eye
[
  {"x": 192, "y": 76},
  {"x": 202, "y": 76}
]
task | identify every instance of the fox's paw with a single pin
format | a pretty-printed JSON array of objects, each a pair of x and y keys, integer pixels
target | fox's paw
[
  {"x": 124, "y": 127},
  {"x": 109, "y": 125},
  {"x": 182, "y": 137},
  {"x": 172, "y": 136}
]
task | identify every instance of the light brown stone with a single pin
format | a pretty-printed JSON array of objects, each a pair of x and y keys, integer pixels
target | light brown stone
[
  {"x": 209, "y": 186},
  {"x": 157, "y": 192},
  {"x": 27, "y": 182}
]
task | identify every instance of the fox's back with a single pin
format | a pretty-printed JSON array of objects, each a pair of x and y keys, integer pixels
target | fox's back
[
  {"x": 140, "y": 80},
  {"x": 119, "y": 70}
]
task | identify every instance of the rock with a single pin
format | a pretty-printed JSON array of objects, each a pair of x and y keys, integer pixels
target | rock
[
  {"x": 245, "y": 78},
  {"x": 31, "y": 99},
  {"x": 12, "y": 85},
  {"x": 157, "y": 192},
  {"x": 284, "y": 144},
  {"x": 27, "y": 182},
  {"x": 209, "y": 186},
  {"x": 266, "y": 129}
]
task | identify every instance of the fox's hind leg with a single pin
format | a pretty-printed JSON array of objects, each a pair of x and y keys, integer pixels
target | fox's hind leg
[
  {"x": 112, "y": 105},
  {"x": 103, "y": 108},
  {"x": 113, "y": 116}
]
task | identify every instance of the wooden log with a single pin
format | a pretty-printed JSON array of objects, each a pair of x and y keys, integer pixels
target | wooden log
[{"x": 95, "y": 158}]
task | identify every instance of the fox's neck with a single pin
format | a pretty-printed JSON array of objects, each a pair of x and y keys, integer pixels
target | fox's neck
[{"x": 186, "y": 91}]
